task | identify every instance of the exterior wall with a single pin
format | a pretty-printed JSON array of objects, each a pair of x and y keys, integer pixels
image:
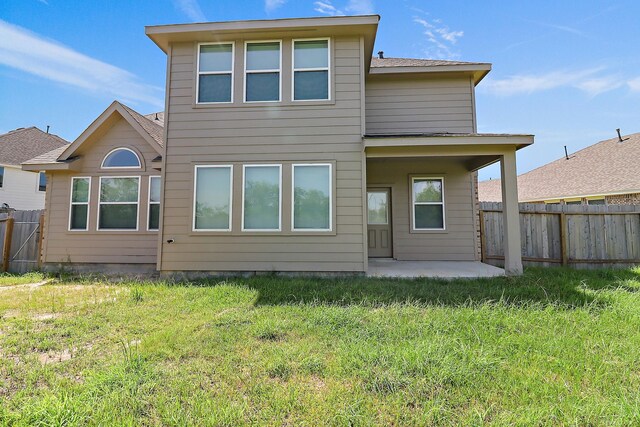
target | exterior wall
[
  {"x": 92, "y": 246},
  {"x": 456, "y": 243},
  {"x": 401, "y": 104},
  {"x": 20, "y": 189},
  {"x": 274, "y": 133}
]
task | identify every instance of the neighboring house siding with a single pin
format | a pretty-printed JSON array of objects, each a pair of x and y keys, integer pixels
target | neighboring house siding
[
  {"x": 458, "y": 241},
  {"x": 279, "y": 133},
  {"x": 401, "y": 104},
  {"x": 20, "y": 189},
  {"x": 109, "y": 247}
]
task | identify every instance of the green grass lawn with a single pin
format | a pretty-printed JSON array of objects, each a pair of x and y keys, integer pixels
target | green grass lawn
[{"x": 554, "y": 347}]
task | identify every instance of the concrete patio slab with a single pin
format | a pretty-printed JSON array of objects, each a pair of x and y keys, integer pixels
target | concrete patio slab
[{"x": 383, "y": 267}]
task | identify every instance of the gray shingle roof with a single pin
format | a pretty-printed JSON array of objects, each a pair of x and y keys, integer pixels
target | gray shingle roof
[
  {"x": 607, "y": 167},
  {"x": 21, "y": 145},
  {"x": 48, "y": 157},
  {"x": 415, "y": 62},
  {"x": 154, "y": 128}
]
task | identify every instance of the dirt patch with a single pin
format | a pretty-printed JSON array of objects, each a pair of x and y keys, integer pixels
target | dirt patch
[
  {"x": 55, "y": 356},
  {"x": 26, "y": 285},
  {"x": 45, "y": 316}
]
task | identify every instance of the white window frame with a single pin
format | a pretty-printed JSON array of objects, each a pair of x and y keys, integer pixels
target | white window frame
[
  {"x": 102, "y": 166},
  {"x": 414, "y": 203},
  {"x": 38, "y": 182},
  {"x": 100, "y": 203},
  {"x": 195, "y": 187},
  {"x": 200, "y": 73},
  {"x": 278, "y": 70},
  {"x": 4, "y": 177},
  {"x": 293, "y": 201},
  {"x": 149, "y": 202},
  {"x": 327, "y": 69},
  {"x": 72, "y": 203},
  {"x": 279, "y": 166}
]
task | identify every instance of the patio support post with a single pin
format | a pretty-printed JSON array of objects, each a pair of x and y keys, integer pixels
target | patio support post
[{"x": 511, "y": 214}]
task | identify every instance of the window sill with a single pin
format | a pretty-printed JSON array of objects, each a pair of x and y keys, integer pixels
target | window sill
[
  {"x": 262, "y": 104},
  {"x": 111, "y": 232},
  {"x": 428, "y": 231},
  {"x": 262, "y": 233}
]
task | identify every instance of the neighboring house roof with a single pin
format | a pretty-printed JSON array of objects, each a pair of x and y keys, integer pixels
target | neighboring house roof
[
  {"x": 608, "y": 167},
  {"x": 21, "y": 145},
  {"x": 156, "y": 117}
]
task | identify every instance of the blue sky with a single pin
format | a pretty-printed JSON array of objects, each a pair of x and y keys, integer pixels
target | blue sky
[{"x": 568, "y": 72}]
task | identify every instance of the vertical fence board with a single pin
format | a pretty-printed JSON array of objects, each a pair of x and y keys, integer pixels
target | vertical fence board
[{"x": 578, "y": 235}]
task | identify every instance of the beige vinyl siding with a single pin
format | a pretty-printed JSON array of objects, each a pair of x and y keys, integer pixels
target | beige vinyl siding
[
  {"x": 118, "y": 247},
  {"x": 401, "y": 104},
  {"x": 457, "y": 241},
  {"x": 272, "y": 133}
]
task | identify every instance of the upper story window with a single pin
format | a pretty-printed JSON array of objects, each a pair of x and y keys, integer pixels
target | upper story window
[
  {"x": 311, "y": 70},
  {"x": 262, "y": 71},
  {"x": 215, "y": 73},
  {"x": 121, "y": 158}
]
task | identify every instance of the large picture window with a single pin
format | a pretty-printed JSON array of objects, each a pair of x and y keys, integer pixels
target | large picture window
[
  {"x": 118, "y": 203},
  {"x": 153, "y": 222},
  {"x": 261, "y": 199},
  {"x": 428, "y": 203},
  {"x": 212, "y": 198},
  {"x": 215, "y": 73},
  {"x": 262, "y": 71},
  {"x": 312, "y": 197},
  {"x": 79, "y": 208},
  {"x": 311, "y": 77}
]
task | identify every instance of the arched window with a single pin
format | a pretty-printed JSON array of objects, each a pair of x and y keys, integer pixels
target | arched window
[{"x": 121, "y": 158}]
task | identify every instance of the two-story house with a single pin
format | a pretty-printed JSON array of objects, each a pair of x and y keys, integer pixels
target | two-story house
[{"x": 286, "y": 147}]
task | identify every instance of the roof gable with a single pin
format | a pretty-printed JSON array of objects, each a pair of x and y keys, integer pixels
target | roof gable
[{"x": 151, "y": 132}]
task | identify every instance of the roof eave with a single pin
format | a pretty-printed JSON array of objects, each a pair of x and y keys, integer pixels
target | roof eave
[
  {"x": 478, "y": 71},
  {"x": 164, "y": 35},
  {"x": 60, "y": 165}
]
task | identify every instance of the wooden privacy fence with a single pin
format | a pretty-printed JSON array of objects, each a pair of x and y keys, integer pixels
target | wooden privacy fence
[
  {"x": 554, "y": 234},
  {"x": 21, "y": 237}
]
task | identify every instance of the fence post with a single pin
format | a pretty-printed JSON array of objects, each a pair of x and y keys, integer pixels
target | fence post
[
  {"x": 564, "y": 250},
  {"x": 40, "y": 239},
  {"x": 6, "y": 246},
  {"x": 483, "y": 243}
]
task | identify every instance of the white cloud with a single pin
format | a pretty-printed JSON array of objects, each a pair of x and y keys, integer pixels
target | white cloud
[
  {"x": 191, "y": 8},
  {"x": 598, "y": 85},
  {"x": 360, "y": 7},
  {"x": 271, "y": 5},
  {"x": 440, "y": 39},
  {"x": 590, "y": 81},
  {"x": 29, "y": 52},
  {"x": 634, "y": 84},
  {"x": 327, "y": 8},
  {"x": 353, "y": 7}
]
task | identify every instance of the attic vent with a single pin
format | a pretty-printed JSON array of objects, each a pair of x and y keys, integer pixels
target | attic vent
[
  {"x": 381, "y": 55},
  {"x": 157, "y": 117}
]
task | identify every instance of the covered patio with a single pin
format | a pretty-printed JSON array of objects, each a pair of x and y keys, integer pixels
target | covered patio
[
  {"x": 386, "y": 267},
  {"x": 447, "y": 162}
]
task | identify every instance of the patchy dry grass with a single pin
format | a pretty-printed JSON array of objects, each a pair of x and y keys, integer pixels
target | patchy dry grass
[{"x": 550, "y": 348}]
